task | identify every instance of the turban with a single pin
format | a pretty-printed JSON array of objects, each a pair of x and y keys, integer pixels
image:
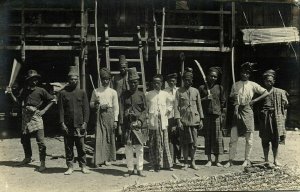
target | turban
[
  {"x": 104, "y": 73},
  {"x": 217, "y": 70},
  {"x": 188, "y": 75},
  {"x": 172, "y": 76},
  {"x": 269, "y": 72},
  {"x": 247, "y": 67}
]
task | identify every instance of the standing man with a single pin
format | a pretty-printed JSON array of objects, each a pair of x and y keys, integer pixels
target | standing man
[
  {"x": 159, "y": 105},
  {"x": 133, "y": 119},
  {"x": 32, "y": 98},
  {"x": 189, "y": 117},
  {"x": 173, "y": 132},
  {"x": 272, "y": 117},
  {"x": 213, "y": 105},
  {"x": 73, "y": 108},
  {"x": 242, "y": 94},
  {"x": 105, "y": 102},
  {"x": 120, "y": 84}
]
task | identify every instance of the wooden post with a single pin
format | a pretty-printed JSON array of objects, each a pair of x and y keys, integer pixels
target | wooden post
[
  {"x": 76, "y": 63},
  {"x": 23, "y": 56},
  {"x": 141, "y": 58},
  {"x": 182, "y": 58},
  {"x": 107, "y": 55},
  {"x": 83, "y": 47},
  {"x": 221, "y": 27},
  {"x": 146, "y": 47}
]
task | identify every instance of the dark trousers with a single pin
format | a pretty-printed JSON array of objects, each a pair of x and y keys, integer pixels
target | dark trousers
[
  {"x": 69, "y": 144},
  {"x": 39, "y": 136},
  {"x": 174, "y": 143}
]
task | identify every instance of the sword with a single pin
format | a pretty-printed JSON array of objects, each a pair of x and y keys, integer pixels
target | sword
[{"x": 203, "y": 75}]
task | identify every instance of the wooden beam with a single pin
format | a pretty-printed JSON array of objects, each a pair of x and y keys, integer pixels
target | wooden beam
[
  {"x": 40, "y": 48},
  {"x": 189, "y": 27},
  {"x": 186, "y": 48},
  {"x": 42, "y": 9},
  {"x": 57, "y": 25},
  {"x": 194, "y": 12}
]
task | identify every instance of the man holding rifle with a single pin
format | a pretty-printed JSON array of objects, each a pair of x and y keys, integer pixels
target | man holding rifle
[{"x": 32, "y": 98}]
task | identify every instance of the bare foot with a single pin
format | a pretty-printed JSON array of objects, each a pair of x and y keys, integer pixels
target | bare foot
[
  {"x": 219, "y": 164},
  {"x": 194, "y": 166},
  {"x": 277, "y": 164},
  {"x": 228, "y": 164},
  {"x": 246, "y": 163},
  {"x": 208, "y": 164},
  {"x": 185, "y": 167}
]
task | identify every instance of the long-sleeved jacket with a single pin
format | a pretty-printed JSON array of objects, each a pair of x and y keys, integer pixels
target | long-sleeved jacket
[
  {"x": 73, "y": 107},
  {"x": 120, "y": 83},
  {"x": 133, "y": 107},
  {"x": 214, "y": 105},
  {"x": 188, "y": 106},
  {"x": 159, "y": 103}
]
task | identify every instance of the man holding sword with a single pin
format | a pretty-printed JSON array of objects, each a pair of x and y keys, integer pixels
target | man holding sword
[{"x": 32, "y": 98}]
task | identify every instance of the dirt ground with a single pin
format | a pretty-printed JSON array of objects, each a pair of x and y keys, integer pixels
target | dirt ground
[{"x": 111, "y": 178}]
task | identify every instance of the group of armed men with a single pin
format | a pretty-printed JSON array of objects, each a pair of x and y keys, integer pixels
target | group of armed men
[{"x": 168, "y": 120}]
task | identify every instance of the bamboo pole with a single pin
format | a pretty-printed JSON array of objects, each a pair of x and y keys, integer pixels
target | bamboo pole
[
  {"x": 155, "y": 38},
  {"x": 96, "y": 42},
  {"x": 83, "y": 47},
  {"x": 162, "y": 39}
]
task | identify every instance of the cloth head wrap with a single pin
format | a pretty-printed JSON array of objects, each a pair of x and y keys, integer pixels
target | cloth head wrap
[
  {"x": 269, "y": 72},
  {"x": 104, "y": 73},
  {"x": 217, "y": 70},
  {"x": 247, "y": 67}
]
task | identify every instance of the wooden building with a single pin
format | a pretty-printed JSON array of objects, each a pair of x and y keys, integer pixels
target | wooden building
[{"x": 156, "y": 36}]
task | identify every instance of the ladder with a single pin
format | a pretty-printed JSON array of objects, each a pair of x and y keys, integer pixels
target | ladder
[
  {"x": 131, "y": 47},
  {"x": 198, "y": 42}
]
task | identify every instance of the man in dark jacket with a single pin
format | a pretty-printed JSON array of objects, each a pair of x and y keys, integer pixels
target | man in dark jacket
[
  {"x": 133, "y": 118},
  {"x": 33, "y": 98},
  {"x": 74, "y": 114}
]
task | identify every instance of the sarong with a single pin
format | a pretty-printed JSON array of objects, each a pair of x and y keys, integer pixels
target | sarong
[
  {"x": 245, "y": 120},
  {"x": 189, "y": 135},
  {"x": 31, "y": 121},
  {"x": 160, "y": 155},
  {"x": 213, "y": 135},
  {"x": 268, "y": 131},
  {"x": 105, "y": 147}
]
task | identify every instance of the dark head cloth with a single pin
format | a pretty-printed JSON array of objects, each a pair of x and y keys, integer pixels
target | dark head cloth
[
  {"x": 172, "y": 76},
  {"x": 32, "y": 73},
  {"x": 269, "y": 72},
  {"x": 247, "y": 67},
  {"x": 217, "y": 70},
  {"x": 73, "y": 71},
  {"x": 104, "y": 73},
  {"x": 188, "y": 75},
  {"x": 132, "y": 74},
  {"x": 122, "y": 60}
]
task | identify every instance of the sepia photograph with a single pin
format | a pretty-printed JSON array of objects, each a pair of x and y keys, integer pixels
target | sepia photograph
[{"x": 149, "y": 95}]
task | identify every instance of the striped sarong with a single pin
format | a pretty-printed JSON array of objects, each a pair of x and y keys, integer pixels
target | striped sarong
[
  {"x": 105, "y": 147},
  {"x": 160, "y": 155},
  {"x": 213, "y": 135}
]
